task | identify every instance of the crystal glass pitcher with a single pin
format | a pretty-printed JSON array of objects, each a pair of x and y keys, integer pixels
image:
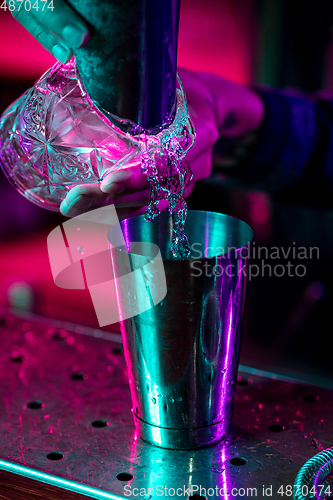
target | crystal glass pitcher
[{"x": 55, "y": 137}]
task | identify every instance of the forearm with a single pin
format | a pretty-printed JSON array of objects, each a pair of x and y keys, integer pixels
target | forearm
[
  {"x": 265, "y": 139},
  {"x": 238, "y": 110},
  {"x": 285, "y": 144},
  {"x": 219, "y": 109},
  {"x": 292, "y": 148}
]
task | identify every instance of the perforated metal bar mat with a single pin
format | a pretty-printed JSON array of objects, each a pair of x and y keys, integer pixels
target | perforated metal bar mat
[{"x": 65, "y": 419}]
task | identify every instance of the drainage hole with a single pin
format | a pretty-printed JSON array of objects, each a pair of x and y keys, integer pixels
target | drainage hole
[
  {"x": 55, "y": 455},
  {"x": 276, "y": 428},
  {"x": 243, "y": 381},
  {"x": 117, "y": 350},
  {"x": 79, "y": 376},
  {"x": 124, "y": 476},
  {"x": 35, "y": 405},
  {"x": 17, "y": 358},
  {"x": 238, "y": 461},
  {"x": 311, "y": 399},
  {"x": 60, "y": 334},
  {"x": 99, "y": 423}
]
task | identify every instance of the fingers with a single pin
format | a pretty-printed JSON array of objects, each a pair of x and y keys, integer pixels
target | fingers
[
  {"x": 87, "y": 197},
  {"x": 64, "y": 23},
  {"x": 127, "y": 189},
  {"x": 44, "y": 37},
  {"x": 129, "y": 183},
  {"x": 83, "y": 198},
  {"x": 54, "y": 24},
  {"x": 126, "y": 180}
]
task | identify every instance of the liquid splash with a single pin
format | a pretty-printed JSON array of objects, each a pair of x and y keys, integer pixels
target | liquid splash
[
  {"x": 168, "y": 173},
  {"x": 168, "y": 180}
]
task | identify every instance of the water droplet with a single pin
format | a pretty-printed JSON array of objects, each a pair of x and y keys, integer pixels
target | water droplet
[
  {"x": 172, "y": 153},
  {"x": 153, "y": 400},
  {"x": 314, "y": 443},
  {"x": 79, "y": 249},
  {"x": 78, "y": 229}
]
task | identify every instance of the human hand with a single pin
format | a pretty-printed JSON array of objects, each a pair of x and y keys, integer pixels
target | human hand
[
  {"x": 217, "y": 107},
  {"x": 236, "y": 112},
  {"x": 54, "y": 24},
  {"x": 128, "y": 189}
]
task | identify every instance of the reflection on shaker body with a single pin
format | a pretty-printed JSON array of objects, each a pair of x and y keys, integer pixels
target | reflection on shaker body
[{"x": 182, "y": 354}]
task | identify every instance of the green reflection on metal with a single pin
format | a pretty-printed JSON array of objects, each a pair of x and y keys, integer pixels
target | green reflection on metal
[{"x": 291, "y": 376}]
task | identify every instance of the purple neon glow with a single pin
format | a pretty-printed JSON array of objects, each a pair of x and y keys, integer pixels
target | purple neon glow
[
  {"x": 226, "y": 380},
  {"x": 224, "y": 476},
  {"x": 54, "y": 138},
  {"x": 322, "y": 473}
]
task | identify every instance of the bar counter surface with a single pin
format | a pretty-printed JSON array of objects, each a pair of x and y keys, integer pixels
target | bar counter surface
[{"x": 66, "y": 423}]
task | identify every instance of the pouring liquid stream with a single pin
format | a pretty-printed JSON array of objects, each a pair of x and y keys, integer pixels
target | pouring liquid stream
[{"x": 169, "y": 174}]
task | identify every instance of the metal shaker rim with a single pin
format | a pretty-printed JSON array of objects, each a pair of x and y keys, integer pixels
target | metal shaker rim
[{"x": 235, "y": 234}]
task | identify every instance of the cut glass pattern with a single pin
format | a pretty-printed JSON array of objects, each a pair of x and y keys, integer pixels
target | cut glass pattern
[{"x": 54, "y": 137}]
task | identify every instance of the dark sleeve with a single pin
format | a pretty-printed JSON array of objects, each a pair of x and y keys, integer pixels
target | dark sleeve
[{"x": 293, "y": 153}]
